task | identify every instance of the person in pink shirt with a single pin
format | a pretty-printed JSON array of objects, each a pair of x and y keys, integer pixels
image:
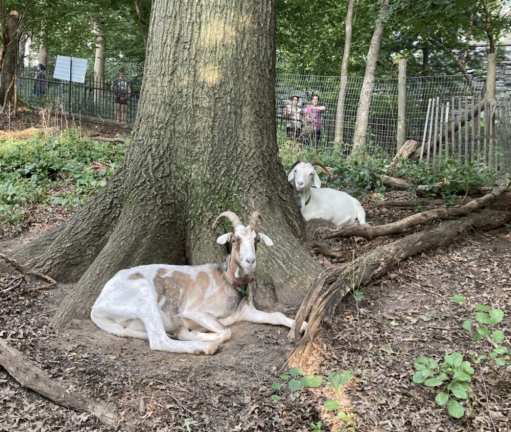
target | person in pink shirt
[{"x": 312, "y": 120}]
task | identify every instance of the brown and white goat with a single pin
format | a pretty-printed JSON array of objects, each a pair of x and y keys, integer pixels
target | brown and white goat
[{"x": 150, "y": 301}]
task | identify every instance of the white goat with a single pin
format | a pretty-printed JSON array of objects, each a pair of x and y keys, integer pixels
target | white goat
[
  {"x": 150, "y": 301},
  {"x": 329, "y": 204}
]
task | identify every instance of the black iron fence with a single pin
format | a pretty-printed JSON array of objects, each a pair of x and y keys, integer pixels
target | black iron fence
[{"x": 94, "y": 99}]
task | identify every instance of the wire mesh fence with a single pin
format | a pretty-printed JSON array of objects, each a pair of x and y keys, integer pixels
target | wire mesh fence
[
  {"x": 382, "y": 125},
  {"x": 97, "y": 100}
]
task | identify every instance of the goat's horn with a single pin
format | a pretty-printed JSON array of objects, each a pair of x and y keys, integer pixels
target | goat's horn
[
  {"x": 296, "y": 163},
  {"x": 315, "y": 162},
  {"x": 235, "y": 220},
  {"x": 253, "y": 219}
]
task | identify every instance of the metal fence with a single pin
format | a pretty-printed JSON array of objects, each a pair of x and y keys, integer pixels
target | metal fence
[
  {"x": 98, "y": 101},
  {"x": 88, "y": 99}
]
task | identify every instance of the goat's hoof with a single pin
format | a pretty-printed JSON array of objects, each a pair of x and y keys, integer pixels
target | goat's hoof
[{"x": 210, "y": 348}]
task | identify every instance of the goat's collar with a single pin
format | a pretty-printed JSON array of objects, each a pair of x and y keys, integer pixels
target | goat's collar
[
  {"x": 237, "y": 284},
  {"x": 308, "y": 199}
]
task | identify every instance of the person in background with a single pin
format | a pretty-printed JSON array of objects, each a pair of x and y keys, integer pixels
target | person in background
[
  {"x": 121, "y": 88},
  {"x": 41, "y": 82},
  {"x": 312, "y": 120},
  {"x": 292, "y": 113}
]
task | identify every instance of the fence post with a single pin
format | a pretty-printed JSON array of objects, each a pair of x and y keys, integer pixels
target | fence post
[
  {"x": 401, "y": 105},
  {"x": 491, "y": 75},
  {"x": 491, "y": 82}
]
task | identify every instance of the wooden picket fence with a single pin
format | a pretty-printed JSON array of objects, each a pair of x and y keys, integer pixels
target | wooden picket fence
[{"x": 470, "y": 128}]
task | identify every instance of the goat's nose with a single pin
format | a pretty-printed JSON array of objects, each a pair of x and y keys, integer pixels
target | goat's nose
[
  {"x": 250, "y": 260},
  {"x": 299, "y": 183}
]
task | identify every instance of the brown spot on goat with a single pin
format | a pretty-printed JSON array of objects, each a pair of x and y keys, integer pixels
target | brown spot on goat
[
  {"x": 136, "y": 276},
  {"x": 161, "y": 272},
  {"x": 169, "y": 288},
  {"x": 201, "y": 285}
]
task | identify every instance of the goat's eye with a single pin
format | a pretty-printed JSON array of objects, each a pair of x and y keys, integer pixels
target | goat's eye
[
  {"x": 311, "y": 174},
  {"x": 295, "y": 170}
]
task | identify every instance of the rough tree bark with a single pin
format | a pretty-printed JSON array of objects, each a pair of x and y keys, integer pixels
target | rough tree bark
[
  {"x": 204, "y": 142},
  {"x": 364, "y": 103},
  {"x": 339, "y": 118},
  {"x": 9, "y": 44}
]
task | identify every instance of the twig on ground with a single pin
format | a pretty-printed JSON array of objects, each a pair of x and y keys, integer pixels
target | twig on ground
[
  {"x": 26, "y": 273},
  {"x": 487, "y": 403},
  {"x": 253, "y": 368},
  {"x": 180, "y": 404}
]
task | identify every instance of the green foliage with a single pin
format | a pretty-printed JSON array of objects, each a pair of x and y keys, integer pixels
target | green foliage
[
  {"x": 317, "y": 427},
  {"x": 453, "y": 378},
  {"x": 295, "y": 380},
  {"x": 52, "y": 171},
  {"x": 454, "y": 375},
  {"x": 350, "y": 419},
  {"x": 359, "y": 175},
  {"x": 188, "y": 424}
]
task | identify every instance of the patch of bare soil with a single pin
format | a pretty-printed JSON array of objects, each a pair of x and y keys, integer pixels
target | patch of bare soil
[{"x": 405, "y": 315}]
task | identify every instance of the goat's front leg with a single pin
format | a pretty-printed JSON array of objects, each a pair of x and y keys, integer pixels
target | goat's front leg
[
  {"x": 251, "y": 314},
  {"x": 219, "y": 332}
]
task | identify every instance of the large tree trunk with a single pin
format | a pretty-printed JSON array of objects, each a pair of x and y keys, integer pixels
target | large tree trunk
[
  {"x": 339, "y": 117},
  {"x": 7, "y": 87},
  {"x": 204, "y": 142},
  {"x": 364, "y": 103}
]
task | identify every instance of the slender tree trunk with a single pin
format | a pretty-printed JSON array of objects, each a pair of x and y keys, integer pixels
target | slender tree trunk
[
  {"x": 141, "y": 22},
  {"x": 364, "y": 104},
  {"x": 339, "y": 118},
  {"x": 425, "y": 59},
  {"x": 42, "y": 57},
  {"x": 99, "y": 63},
  {"x": 7, "y": 87},
  {"x": 204, "y": 142}
]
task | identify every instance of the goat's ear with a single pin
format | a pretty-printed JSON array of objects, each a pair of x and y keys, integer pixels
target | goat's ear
[
  {"x": 223, "y": 239},
  {"x": 291, "y": 175},
  {"x": 267, "y": 240},
  {"x": 317, "y": 181}
]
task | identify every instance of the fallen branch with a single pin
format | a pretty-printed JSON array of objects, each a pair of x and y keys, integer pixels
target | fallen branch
[
  {"x": 332, "y": 285},
  {"x": 368, "y": 231},
  {"x": 105, "y": 139},
  {"x": 25, "y": 273},
  {"x": 34, "y": 378}
]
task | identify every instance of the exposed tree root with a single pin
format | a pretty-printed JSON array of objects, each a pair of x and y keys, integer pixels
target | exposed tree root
[
  {"x": 402, "y": 225},
  {"x": 34, "y": 378},
  {"x": 104, "y": 139},
  {"x": 25, "y": 273},
  {"x": 332, "y": 285}
]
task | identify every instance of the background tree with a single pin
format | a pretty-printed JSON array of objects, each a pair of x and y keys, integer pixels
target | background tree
[
  {"x": 339, "y": 118},
  {"x": 359, "y": 135},
  {"x": 199, "y": 147}
]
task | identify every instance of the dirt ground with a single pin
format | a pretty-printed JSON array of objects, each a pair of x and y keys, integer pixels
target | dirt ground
[{"x": 405, "y": 315}]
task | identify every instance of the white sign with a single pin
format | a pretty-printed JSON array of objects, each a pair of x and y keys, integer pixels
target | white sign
[{"x": 70, "y": 69}]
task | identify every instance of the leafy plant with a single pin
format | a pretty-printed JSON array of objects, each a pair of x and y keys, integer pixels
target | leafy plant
[
  {"x": 452, "y": 377},
  {"x": 483, "y": 327},
  {"x": 317, "y": 427},
  {"x": 188, "y": 423},
  {"x": 350, "y": 419}
]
